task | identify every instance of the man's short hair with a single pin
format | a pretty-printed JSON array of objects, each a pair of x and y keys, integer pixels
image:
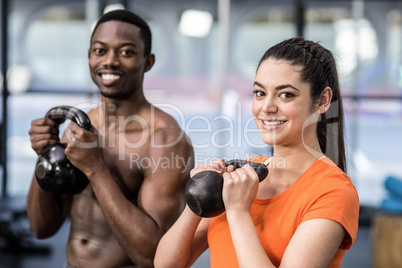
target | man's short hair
[{"x": 127, "y": 16}]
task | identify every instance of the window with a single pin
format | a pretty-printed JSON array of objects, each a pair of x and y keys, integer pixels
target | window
[{"x": 56, "y": 46}]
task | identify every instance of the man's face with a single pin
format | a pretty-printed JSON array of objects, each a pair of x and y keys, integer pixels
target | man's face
[{"x": 116, "y": 59}]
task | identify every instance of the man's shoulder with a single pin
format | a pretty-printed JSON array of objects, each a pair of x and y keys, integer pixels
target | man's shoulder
[
  {"x": 165, "y": 130},
  {"x": 168, "y": 136}
]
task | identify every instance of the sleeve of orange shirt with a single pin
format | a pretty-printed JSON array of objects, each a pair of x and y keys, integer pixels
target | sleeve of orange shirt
[
  {"x": 337, "y": 200},
  {"x": 332, "y": 195}
]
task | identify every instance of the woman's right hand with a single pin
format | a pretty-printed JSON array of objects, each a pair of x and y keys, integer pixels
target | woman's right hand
[
  {"x": 217, "y": 165},
  {"x": 43, "y": 133}
]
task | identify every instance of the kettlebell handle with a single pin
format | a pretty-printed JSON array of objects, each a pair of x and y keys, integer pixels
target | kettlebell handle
[
  {"x": 69, "y": 112},
  {"x": 261, "y": 169},
  {"x": 203, "y": 191}
]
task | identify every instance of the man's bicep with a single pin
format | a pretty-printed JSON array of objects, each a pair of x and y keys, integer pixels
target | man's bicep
[
  {"x": 162, "y": 196},
  {"x": 162, "y": 192}
]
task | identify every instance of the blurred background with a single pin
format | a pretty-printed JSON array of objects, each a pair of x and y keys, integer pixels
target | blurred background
[{"x": 206, "y": 57}]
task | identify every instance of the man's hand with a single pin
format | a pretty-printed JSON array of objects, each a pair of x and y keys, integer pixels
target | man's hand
[
  {"x": 43, "y": 133},
  {"x": 82, "y": 148}
]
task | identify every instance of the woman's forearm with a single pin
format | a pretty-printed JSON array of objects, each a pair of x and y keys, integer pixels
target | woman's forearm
[
  {"x": 175, "y": 247},
  {"x": 249, "y": 250}
]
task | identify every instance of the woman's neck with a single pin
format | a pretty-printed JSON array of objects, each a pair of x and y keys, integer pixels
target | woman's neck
[{"x": 294, "y": 159}]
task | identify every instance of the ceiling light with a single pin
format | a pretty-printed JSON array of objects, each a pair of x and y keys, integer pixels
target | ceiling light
[{"x": 195, "y": 23}]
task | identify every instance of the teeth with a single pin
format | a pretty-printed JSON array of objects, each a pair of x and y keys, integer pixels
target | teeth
[
  {"x": 273, "y": 123},
  {"x": 110, "y": 76}
]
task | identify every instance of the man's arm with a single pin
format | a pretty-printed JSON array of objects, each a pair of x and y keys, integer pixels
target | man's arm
[
  {"x": 162, "y": 192},
  {"x": 139, "y": 228},
  {"x": 46, "y": 211}
]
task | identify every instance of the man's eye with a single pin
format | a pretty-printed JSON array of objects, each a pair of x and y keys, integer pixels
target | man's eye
[
  {"x": 127, "y": 52},
  {"x": 98, "y": 50}
]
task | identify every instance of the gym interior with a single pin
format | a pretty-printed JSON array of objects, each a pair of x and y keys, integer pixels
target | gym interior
[{"x": 203, "y": 77}]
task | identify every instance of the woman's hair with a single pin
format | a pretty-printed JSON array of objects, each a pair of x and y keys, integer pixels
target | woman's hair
[
  {"x": 318, "y": 70},
  {"x": 129, "y": 17}
]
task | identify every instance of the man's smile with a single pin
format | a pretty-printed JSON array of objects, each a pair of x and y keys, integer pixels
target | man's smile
[{"x": 110, "y": 76}]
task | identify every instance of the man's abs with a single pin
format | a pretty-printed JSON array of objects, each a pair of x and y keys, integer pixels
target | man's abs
[
  {"x": 91, "y": 243},
  {"x": 86, "y": 251}
]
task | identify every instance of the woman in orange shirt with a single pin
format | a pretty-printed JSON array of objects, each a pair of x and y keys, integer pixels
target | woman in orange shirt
[{"x": 305, "y": 213}]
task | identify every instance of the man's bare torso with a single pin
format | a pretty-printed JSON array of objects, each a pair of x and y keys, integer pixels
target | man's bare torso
[{"x": 91, "y": 239}]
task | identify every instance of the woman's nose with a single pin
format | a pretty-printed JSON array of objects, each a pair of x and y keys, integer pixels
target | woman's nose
[{"x": 269, "y": 105}]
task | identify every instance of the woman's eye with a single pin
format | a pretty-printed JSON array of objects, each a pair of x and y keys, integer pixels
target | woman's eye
[
  {"x": 286, "y": 95},
  {"x": 258, "y": 93}
]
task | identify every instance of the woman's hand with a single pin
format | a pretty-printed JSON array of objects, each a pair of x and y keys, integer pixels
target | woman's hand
[
  {"x": 217, "y": 165},
  {"x": 240, "y": 188}
]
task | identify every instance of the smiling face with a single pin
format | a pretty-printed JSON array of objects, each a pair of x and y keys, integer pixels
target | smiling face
[
  {"x": 282, "y": 104},
  {"x": 116, "y": 59}
]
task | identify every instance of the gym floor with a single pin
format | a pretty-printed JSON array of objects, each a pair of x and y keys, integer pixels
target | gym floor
[{"x": 29, "y": 252}]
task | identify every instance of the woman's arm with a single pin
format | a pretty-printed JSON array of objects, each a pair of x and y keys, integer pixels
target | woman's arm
[
  {"x": 314, "y": 243},
  {"x": 184, "y": 242},
  {"x": 187, "y": 239},
  {"x": 239, "y": 190}
]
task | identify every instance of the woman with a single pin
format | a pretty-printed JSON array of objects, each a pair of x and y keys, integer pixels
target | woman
[{"x": 305, "y": 213}]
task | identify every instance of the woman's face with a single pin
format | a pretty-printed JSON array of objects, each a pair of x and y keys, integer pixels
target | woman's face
[{"x": 282, "y": 106}]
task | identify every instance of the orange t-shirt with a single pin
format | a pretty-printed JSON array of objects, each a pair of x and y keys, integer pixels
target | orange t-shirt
[{"x": 322, "y": 191}]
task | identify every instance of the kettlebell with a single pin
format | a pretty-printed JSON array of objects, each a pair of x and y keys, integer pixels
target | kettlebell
[
  {"x": 203, "y": 191},
  {"x": 54, "y": 172}
]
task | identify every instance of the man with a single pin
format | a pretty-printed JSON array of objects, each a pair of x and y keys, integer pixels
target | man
[{"x": 137, "y": 170}]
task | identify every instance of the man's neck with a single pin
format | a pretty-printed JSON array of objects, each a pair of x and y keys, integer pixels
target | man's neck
[
  {"x": 132, "y": 105},
  {"x": 116, "y": 112}
]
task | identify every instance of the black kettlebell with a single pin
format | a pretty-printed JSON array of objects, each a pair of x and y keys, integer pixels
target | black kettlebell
[
  {"x": 203, "y": 191},
  {"x": 54, "y": 172}
]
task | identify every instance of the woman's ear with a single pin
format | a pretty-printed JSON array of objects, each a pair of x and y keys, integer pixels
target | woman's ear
[{"x": 325, "y": 100}]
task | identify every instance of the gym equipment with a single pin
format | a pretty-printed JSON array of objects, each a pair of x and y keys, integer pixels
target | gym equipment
[
  {"x": 203, "y": 191},
  {"x": 54, "y": 172}
]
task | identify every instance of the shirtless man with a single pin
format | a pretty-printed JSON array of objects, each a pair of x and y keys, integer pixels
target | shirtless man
[{"x": 131, "y": 200}]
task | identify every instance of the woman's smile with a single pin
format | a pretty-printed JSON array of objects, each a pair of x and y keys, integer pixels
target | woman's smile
[{"x": 271, "y": 124}]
